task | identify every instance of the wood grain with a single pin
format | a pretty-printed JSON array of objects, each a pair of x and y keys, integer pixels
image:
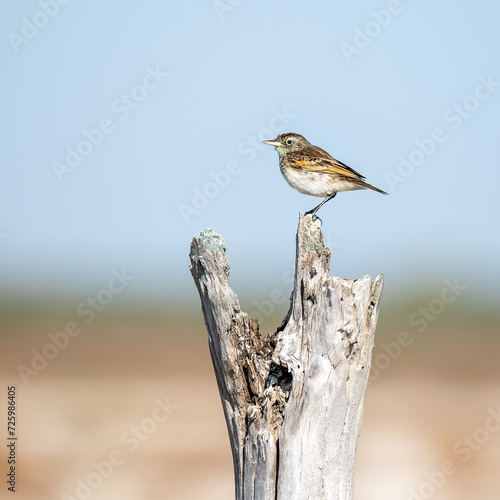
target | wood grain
[{"x": 293, "y": 401}]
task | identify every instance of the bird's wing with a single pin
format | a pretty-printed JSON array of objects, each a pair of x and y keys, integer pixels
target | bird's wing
[{"x": 318, "y": 160}]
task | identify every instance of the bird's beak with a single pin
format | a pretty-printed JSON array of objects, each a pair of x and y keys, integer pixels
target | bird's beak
[{"x": 272, "y": 143}]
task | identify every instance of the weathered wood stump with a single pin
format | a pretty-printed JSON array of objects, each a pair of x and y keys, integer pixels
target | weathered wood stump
[{"x": 293, "y": 400}]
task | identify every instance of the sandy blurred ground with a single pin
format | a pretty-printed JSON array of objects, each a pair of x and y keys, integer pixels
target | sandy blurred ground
[{"x": 109, "y": 380}]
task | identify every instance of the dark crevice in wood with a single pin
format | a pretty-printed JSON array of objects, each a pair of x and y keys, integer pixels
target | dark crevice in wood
[
  {"x": 279, "y": 376},
  {"x": 277, "y": 469}
]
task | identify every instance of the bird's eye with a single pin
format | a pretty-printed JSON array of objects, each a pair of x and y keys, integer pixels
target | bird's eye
[{"x": 289, "y": 141}]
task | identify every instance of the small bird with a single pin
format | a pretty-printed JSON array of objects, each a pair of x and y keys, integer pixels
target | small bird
[{"x": 311, "y": 170}]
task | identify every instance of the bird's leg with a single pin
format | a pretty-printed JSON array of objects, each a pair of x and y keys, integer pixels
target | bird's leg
[{"x": 315, "y": 209}]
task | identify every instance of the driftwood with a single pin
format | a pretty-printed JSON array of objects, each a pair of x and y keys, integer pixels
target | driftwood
[{"x": 293, "y": 400}]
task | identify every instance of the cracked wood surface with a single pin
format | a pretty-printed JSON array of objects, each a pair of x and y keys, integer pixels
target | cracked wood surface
[{"x": 293, "y": 401}]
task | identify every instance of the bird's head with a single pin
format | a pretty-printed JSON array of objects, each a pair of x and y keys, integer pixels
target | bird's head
[{"x": 287, "y": 143}]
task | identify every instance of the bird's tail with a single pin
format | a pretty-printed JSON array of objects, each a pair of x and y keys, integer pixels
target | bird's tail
[{"x": 365, "y": 185}]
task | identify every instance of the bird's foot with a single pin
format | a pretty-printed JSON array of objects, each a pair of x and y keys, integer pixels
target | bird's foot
[{"x": 314, "y": 216}]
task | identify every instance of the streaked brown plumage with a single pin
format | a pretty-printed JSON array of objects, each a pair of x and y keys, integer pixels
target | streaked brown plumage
[{"x": 311, "y": 170}]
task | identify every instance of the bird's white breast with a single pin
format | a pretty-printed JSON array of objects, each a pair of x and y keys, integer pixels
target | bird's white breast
[{"x": 316, "y": 183}]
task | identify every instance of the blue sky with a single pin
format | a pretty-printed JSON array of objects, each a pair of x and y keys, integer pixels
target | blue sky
[{"x": 128, "y": 127}]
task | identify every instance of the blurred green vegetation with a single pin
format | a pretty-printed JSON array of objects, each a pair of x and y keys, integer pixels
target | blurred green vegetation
[{"x": 462, "y": 317}]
